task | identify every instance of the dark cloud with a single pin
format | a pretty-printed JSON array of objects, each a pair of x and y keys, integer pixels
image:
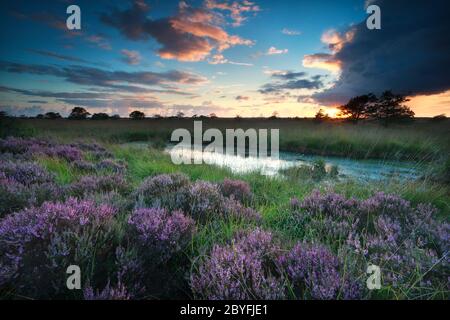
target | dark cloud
[
  {"x": 290, "y": 80},
  {"x": 410, "y": 54},
  {"x": 241, "y": 98},
  {"x": 103, "y": 78},
  {"x": 18, "y": 111},
  {"x": 63, "y": 57},
  {"x": 37, "y": 101},
  {"x": 190, "y": 35},
  {"x": 288, "y": 75}
]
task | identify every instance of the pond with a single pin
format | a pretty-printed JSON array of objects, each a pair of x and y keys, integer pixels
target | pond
[
  {"x": 348, "y": 168},
  {"x": 354, "y": 168}
]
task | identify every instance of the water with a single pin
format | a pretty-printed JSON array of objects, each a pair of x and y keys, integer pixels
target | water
[
  {"x": 359, "y": 169},
  {"x": 348, "y": 168}
]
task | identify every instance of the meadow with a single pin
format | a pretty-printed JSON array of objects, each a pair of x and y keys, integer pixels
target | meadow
[{"x": 140, "y": 227}]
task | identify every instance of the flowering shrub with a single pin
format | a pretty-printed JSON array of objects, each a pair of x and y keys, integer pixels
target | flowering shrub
[
  {"x": 161, "y": 234},
  {"x": 242, "y": 270},
  {"x": 37, "y": 244},
  {"x": 235, "y": 209},
  {"x": 115, "y": 166},
  {"x": 98, "y": 184},
  {"x": 314, "y": 272},
  {"x": 165, "y": 190},
  {"x": 26, "y": 173},
  {"x": 83, "y": 165},
  {"x": 238, "y": 189},
  {"x": 204, "y": 200},
  {"x": 25, "y": 184},
  {"x": 40, "y": 147},
  {"x": 108, "y": 293},
  {"x": 386, "y": 230}
]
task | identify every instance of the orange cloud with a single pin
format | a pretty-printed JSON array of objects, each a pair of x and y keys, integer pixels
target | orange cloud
[{"x": 322, "y": 61}]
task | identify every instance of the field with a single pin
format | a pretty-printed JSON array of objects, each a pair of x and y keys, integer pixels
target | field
[{"x": 141, "y": 227}]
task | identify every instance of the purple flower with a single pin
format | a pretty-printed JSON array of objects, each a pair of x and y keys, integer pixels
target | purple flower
[
  {"x": 35, "y": 242},
  {"x": 314, "y": 271},
  {"x": 240, "y": 271},
  {"x": 238, "y": 189},
  {"x": 98, "y": 184},
  {"x": 159, "y": 233}
]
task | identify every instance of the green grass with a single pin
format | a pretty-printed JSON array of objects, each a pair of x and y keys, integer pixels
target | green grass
[{"x": 419, "y": 140}]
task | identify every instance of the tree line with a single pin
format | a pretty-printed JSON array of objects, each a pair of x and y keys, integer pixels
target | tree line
[{"x": 388, "y": 106}]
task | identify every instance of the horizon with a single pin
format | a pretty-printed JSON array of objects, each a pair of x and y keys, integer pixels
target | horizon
[{"x": 246, "y": 58}]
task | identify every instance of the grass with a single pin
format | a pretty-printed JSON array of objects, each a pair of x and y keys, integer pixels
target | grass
[{"x": 419, "y": 140}]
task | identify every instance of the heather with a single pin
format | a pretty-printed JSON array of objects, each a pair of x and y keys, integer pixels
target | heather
[
  {"x": 38, "y": 242},
  {"x": 141, "y": 227}
]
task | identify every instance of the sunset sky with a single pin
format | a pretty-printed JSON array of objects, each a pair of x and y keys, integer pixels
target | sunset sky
[{"x": 247, "y": 58}]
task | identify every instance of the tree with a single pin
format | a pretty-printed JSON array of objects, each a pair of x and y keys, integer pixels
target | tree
[
  {"x": 213, "y": 115},
  {"x": 137, "y": 115},
  {"x": 52, "y": 115},
  {"x": 358, "y": 107},
  {"x": 115, "y": 117},
  {"x": 389, "y": 106},
  {"x": 79, "y": 113},
  {"x": 321, "y": 115},
  {"x": 100, "y": 116},
  {"x": 439, "y": 117},
  {"x": 274, "y": 115},
  {"x": 180, "y": 114},
  {"x": 3, "y": 114}
]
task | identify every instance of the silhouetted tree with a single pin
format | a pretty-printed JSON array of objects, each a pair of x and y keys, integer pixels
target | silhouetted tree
[
  {"x": 79, "y": 113},
  {"x": 321, "y": 115},
  {"x": 100, "y": 116},
  {"x": 157, "y": 116},
  {"x": 3, "y": 114},
  {"x": 357, "y": 108},
  {"x": 115, "y": 117},
  {"x": 137, "y": 115},
  {"x": 213, "y": 115},
  {"x": 52, "y": 115},
  {"x": 439, "y": 117},
  {"x": 389, "y": 106},
  {"x": 180, "y": 114}
]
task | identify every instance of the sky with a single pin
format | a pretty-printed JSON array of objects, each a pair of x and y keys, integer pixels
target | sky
[{"x": 239, "y": 57}]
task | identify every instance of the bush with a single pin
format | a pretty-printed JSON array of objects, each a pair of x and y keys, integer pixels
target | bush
[
  {"x": 242, "y": 270},
  {"x": 26, "y": 173},
  {"x": 160, "y": 234},
  {"x": 165, "y": 190},
  {"x": 314, "y": 272},
  {"x": 38, "y": 244},
  {"x": 98, "y": 184},
  {"x": 238, "y": 189},
  {"x": 408, "y": 242}
]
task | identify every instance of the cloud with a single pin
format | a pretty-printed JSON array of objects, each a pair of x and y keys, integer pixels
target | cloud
[
  {"x": 18, "y": 111},
  {"x": 190, "y": 35},
  {"x": 37, "y": 101},
  {"x": 290, "y": 32},
  {"x": 131, "y": 57},
  {"x": 408, "y": 55},
  {"x": 235, "y": 8},
  {"x": 273, "y": 51},
  {"x": 322, "y": 61},
  {"x": 99, "y": 41},
  {"x": 104, "y": 78},
  {"x": 288, "y": 80},
  {"x": 220, "y": 59},
  {"x": 242, "y": 98}
]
